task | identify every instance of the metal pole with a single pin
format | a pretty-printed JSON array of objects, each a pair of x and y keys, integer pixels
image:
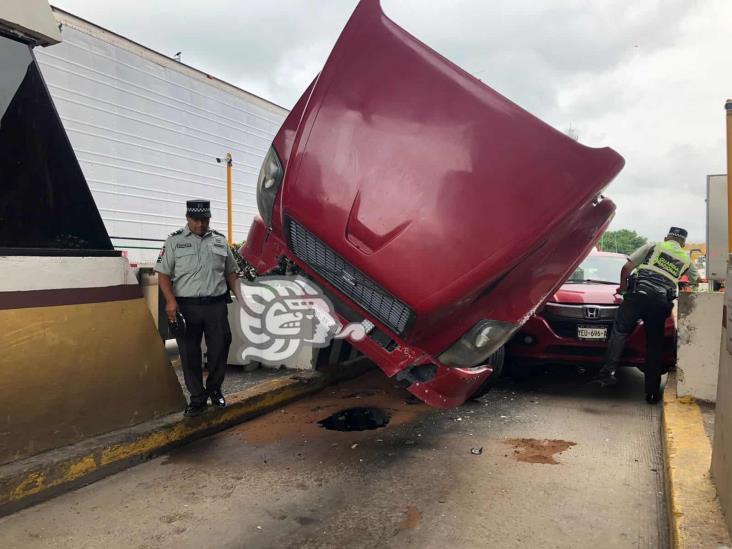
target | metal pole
[
  {"x": 728, "y": 109},
  {"x": 228, "y": 196}
]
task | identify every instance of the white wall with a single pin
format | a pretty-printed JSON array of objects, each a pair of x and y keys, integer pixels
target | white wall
[
  {"x": 21, "y": 273},
  {"x": 699, "y": 321},
  {"x": 147, "y": 131}
]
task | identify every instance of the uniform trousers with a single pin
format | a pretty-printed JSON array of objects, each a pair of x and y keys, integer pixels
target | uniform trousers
[
  {"x": 653, "y": 310},
  {"x": 209, "y": 320}
]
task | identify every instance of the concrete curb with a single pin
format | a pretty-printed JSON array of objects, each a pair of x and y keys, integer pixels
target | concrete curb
[
  {"x": 30, "y": 481},
  {"x": 694, "y": 514}
]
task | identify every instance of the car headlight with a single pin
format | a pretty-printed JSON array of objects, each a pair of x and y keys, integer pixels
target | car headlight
[
  {"x": 268, "y": 183},
  {"x": 483, "y": 339}
]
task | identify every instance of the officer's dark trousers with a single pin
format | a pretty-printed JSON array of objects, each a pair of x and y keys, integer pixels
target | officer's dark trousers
[
  {"x": 209, "y": 320},
  {"x": 653, "y": 311}
]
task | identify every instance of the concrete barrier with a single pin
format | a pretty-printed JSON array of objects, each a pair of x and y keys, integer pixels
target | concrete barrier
[
  {"x": 79, "y": 354},
  {"x": 722, "y": 447},
  {"x": 699, "y": 319}
]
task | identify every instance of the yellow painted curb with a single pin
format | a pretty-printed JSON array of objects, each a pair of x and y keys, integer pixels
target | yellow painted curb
[
  {"x": 40, "y": 477},
  {"x": 695, "y": 516}
]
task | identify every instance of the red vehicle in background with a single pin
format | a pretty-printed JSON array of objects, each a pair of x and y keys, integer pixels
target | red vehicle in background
[
  {"x": 574, "y": 325},
  {"x": 424, "y": 202}
]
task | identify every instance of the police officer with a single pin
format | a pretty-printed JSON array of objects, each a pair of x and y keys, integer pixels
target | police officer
[
  {"x": 196, "y": 269},
  {"x": 648, "y": 295}
]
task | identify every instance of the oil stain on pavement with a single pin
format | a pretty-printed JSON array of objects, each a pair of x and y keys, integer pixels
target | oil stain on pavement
[
  {"x": 531, "y": 450},
  {"x": 412, "y": 519}
]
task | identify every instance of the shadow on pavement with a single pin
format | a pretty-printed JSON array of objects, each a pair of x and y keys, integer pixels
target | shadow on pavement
[{"x": 564, "y": 380}]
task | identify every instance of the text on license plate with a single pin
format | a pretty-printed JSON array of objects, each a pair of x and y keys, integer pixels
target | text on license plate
[{"x": 591, "y": 332}]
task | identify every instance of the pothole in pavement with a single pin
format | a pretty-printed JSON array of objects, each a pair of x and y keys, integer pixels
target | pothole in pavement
[{"x": 356, "y": 419}]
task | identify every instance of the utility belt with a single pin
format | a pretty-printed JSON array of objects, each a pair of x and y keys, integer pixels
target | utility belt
[
  {"x": 206, "y": 300},
  {"x": 637, "y": 286}
]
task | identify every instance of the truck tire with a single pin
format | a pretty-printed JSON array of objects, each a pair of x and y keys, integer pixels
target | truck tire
[{"x": 496, "y": 360}]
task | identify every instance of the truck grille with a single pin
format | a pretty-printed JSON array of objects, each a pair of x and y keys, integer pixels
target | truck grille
[{"x": 353, "y": 283}]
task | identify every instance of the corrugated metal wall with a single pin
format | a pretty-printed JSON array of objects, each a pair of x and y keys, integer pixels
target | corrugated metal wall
[{"x": 147, "y": 137}]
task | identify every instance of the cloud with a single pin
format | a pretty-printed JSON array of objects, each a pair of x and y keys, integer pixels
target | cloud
[{"x": 645, "y": 78}]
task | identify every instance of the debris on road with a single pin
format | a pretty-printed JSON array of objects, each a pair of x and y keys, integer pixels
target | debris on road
[{"x": 476, "y": 451}]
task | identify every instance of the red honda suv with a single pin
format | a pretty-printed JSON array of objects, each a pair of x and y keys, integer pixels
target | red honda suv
[{"x": 574, "y": 325}]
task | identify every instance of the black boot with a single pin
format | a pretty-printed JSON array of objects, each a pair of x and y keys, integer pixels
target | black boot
[
  {"x": 605, "y": 377},
  {"x": 195, "y": 409},
  {"x": 217, "y": 399}
]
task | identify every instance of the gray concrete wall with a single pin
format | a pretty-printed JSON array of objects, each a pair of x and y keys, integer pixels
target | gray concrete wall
[
  {"x": 722, "y": 449},
  {"x": 699, "y": 320}
]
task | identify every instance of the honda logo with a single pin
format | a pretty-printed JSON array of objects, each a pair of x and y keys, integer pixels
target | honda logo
[{"x": 592, "y": 312}]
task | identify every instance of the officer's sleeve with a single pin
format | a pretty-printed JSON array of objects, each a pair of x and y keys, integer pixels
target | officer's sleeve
[
  {"x": 166, "y": 259},
  {"x": 639, "y": 255},
  {"x": 231, "y": 265},
  {"x": 692, "y": 273}
]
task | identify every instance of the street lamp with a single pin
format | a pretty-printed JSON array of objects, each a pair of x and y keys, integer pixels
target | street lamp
[{"x": 229, "y": 165}]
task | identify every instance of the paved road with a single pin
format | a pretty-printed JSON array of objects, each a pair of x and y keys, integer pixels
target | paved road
[{"x": 562, "y": 465}]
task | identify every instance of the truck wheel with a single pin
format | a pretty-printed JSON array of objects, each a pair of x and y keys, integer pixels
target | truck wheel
[{"x": 496, "y": 360}]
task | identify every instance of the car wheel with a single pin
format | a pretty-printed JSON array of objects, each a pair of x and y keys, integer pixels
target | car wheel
[{"x": 496, "y": 360}]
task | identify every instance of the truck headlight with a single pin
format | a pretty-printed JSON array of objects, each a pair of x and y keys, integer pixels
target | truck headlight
[
  {"x": 483, "y": 339},
  {"x": 268, "y": 183}
]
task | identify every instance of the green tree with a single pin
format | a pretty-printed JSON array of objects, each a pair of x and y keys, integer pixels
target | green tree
[{"x": 622, "y": 241}]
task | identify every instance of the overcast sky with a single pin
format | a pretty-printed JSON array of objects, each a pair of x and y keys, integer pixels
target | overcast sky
[{"x": 646, "y": 77}]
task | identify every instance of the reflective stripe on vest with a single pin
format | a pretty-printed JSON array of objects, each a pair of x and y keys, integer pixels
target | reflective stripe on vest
[{"x": 667, "y": 259}]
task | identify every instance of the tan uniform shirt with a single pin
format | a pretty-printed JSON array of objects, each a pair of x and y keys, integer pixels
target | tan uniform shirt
[{"x": 197, "y": 265}]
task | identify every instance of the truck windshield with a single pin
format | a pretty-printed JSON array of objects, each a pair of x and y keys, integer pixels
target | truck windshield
[{"x": 599, "y": 269}]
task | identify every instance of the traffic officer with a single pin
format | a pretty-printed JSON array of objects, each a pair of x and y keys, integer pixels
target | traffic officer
[
  {"x": 648, "y": 295},
  {"x": 196, "y": 270}
]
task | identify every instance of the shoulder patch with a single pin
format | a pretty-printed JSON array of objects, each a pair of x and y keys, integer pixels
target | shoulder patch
[
  {"x": 179, "y": 231},
  {"x": 214, "y": 231}
]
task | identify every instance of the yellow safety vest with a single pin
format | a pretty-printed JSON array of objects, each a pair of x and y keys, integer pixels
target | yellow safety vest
[{"x": 667, "y": 259}]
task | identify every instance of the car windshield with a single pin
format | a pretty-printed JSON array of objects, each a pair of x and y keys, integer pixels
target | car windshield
[{"x": 600, "y": 269}]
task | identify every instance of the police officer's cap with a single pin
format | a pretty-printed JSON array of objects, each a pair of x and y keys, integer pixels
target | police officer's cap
[
  {"x": 678, "y": 232},
  {"x": 198, "y": 208}
]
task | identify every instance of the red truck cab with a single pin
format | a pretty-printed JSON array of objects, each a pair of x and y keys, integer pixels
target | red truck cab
[
  {"x": 423, "y": 201},
  {"x": 575, "y": 324}
]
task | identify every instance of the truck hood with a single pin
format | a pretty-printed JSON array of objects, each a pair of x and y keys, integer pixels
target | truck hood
[
  {"x": 429, "y": 182},
  {"x": 591, "y": 294}
]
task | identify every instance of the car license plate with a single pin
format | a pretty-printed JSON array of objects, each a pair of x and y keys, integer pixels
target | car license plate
[{"x": 592, "y": 332}]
